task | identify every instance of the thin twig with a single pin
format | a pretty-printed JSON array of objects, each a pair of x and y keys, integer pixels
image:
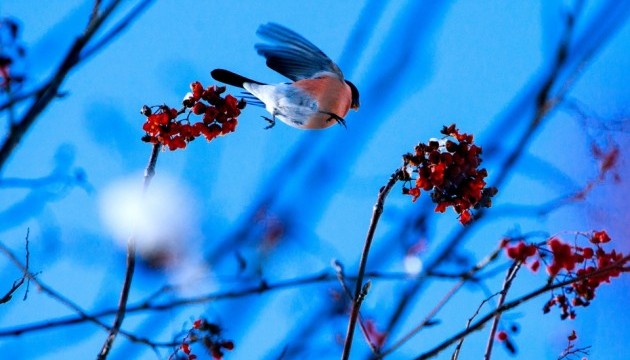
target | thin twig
[
  {"x": 514, "y": 303},
  {"x": 583, "y": 351},
  {"x": 50, "y": 90},
  {"x": 17, "y": 283},
  {"x": 14, "y": 287},
  {"x": 27, "y": 262},
  {"x": 150, "y": 305},
  {"x": 455, "y": 355},
  {"x": 111, "y": 34},
  {"x": 341, "y": 277},
  {"x": 95, "y": 11},
  {"x": 131, "y": 263},
  {"x": 17, "y": 98},
  {"x": 507, "y": 283},
  {"x": 82, "y": 314},
  {"x": 445, "y": 299},
  {"x": 356, "y": 304}
]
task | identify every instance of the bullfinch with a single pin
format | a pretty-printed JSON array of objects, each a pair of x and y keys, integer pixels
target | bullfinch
[{"x": 318, "y": 96}]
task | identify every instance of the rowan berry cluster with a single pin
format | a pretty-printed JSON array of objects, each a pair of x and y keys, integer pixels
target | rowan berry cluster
[
  {"x": 521, "y": 252},
  {"x": 219, "y": 117},
  {"x": 209, "y": 335},
  {"x": 449, "y": 169},
  {"x": 589, "y": 267}
]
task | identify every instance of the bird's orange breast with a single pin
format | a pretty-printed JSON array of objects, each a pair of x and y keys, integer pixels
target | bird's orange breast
[{"x": 332, "y": 96}]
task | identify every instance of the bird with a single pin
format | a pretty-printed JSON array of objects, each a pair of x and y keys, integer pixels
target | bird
[{"x": 317, "y": 97}]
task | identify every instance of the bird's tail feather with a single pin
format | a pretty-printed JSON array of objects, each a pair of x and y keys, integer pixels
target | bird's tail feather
[
  {"x": 231, "y": 78},
  {"x": 252, "y": 100}
]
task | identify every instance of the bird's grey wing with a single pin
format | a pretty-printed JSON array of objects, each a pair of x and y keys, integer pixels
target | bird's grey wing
[{"x": 292, "y": 55}]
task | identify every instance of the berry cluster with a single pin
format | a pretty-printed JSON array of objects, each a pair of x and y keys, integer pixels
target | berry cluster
[
  {"x": 450, "y": 169},
  {"x": 219, "y": 117},
  {"x": 521, "y": 252},
  {"x": 588, "y": 266},
  {"x": 209, "y": 335}
]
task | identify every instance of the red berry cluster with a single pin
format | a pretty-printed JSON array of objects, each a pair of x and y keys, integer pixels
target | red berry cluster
[
  {"x": 521, "y": 252},
  {"x": 209, "y": 335},
  {"x": 589, "y": 266},
  {"x": 450, "y": 169},
  {"x": 219, "y": 117},
  {"x": 10, "y": 52}
]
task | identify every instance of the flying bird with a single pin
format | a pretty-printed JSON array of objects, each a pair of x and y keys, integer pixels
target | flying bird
[{"x": 318, "y": 96}]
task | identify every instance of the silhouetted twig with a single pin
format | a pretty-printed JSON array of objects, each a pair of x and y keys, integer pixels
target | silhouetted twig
[
  {"x": 507, "y": 283},
  {"x": 149, "y": 304},
  {"x": 360, "y": 288},
  {"x": 45, "y": 94},
  {"x": 448, "y": 296},
  {"x": 55, "y": 295},
  {"x": 514, "y": 303},
  {"x": 19, "y": 282},
  {"x": 131, "y": 263}
]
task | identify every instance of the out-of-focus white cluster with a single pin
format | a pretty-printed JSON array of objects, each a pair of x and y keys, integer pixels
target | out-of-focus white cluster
[
  {"x": 165, "y": 224},
  {"x": 412, "y": 264}
]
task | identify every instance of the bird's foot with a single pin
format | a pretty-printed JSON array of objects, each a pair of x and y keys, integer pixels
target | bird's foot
[
  {"x": 336, "y": 117},
  {"x": 272, "y": 122}
]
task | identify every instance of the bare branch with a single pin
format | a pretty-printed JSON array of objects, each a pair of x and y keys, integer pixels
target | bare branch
[
  {"x": 19, "y": 282},
  {"x": 45, "y": 94},
  {"x": 356, "y": 304},
  {"x": 82, "y": 314},
  {"x": 95, "y": 11},
  {"x": 131, "y": 263},
  {"x": 514, "y": 303},
  {"x": 507, "y": 283},
  {"x": 455, "y": 355},
  {"x": 149, "y": 303},
  {"x": 112, "y": 33},
  {"x": 445, "y": 299}
]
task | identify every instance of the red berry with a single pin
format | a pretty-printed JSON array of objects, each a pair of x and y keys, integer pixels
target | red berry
[{"x": 502, "y": 336}]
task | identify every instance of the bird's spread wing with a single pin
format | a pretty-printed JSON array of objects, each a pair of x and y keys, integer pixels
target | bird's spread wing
[{"x": 292, "y": 55}]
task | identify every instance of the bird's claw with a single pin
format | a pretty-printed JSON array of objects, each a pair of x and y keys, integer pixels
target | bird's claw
[
  {"x": 336, "y": 117},
  {"x": 272, "y": 122}
]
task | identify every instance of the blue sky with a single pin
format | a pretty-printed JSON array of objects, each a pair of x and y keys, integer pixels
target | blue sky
[{"x": 418, "y": 64}]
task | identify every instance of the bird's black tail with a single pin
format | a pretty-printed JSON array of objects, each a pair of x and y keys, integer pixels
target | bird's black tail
[{"x": 231, "y": 78}]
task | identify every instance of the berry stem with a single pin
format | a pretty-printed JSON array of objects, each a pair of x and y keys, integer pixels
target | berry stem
[
  {"x": 360, "y": 289},
  {"x": 507, "y": 282},
  {"x": 131, "y": 263}
]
